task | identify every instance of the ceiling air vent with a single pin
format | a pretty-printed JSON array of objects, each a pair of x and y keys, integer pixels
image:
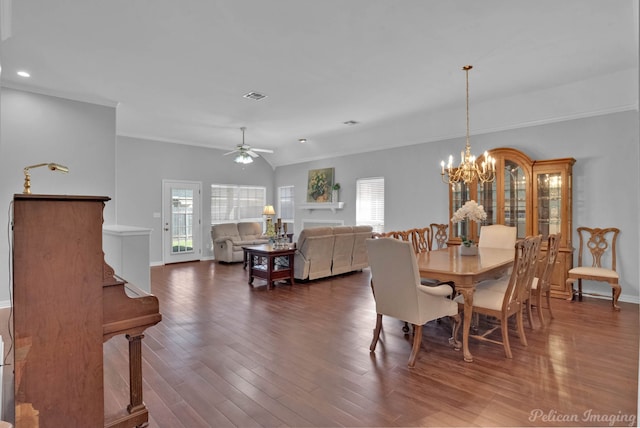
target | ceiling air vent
[
  {"x": 350, "y": 122},
  {"x": 255, "y": 96}
]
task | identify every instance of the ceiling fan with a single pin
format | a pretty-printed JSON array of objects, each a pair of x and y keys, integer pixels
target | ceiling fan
[{"x": 245, "y": 153}]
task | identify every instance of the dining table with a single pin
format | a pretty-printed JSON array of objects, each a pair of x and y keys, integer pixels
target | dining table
[{"x": 448, "y": 264}]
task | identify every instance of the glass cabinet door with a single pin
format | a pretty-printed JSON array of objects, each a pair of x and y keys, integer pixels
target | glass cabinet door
[
  {"x": 549, "y": 204},
  {"x": 487, "y": 198},
  {"x": 515, "y": 197}
]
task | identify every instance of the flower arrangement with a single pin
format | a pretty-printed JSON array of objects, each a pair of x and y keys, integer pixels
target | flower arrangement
[
  {"x": 469, "y": 211},
  {"x": 336, "y": 186}
]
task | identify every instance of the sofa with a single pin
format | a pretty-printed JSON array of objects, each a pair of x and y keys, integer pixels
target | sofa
[
  {"x": 327, "y": 251},
  {"x": 229, "y": 238}
]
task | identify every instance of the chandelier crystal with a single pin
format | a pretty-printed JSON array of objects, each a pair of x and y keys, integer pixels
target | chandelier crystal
[{"x": 468, "y": 170}]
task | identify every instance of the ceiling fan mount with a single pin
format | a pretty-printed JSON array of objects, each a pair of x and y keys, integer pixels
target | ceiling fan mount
[{"x": 245, "y": 152}]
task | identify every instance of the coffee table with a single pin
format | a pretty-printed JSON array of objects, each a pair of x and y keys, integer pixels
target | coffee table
[{"x": 270, "y": 263}]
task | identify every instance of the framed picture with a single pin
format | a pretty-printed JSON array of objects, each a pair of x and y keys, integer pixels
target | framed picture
[{"x": 319, "y": 185}]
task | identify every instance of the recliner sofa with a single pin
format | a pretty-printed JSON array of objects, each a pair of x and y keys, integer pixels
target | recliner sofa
[
  {"x": 229, "y": 238},
  {"x": 327, "y": 251}
]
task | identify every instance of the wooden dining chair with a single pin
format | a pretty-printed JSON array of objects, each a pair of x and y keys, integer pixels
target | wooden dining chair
[
  {"x": 601, "y": 245},
  {"x": 505, "y": 302},
  {"x": 420, "y": 239},
  {"x": 439, "y": 236},
  {"x": 542, "y": 285},
  {"x": 398, "y": 293}
]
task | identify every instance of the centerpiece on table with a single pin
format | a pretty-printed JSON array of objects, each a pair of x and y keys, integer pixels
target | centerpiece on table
[{"x": 469, "y": 211}]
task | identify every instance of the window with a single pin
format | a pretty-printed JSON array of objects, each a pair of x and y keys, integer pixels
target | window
[
  {"x": 370, "y": 203},
  {"x": 231, "y": 203},
  {"x": 286, "y": 209}
]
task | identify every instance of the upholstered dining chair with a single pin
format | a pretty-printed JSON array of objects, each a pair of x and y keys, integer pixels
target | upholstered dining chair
[
  {"x": 497, "y": 236},
  {"x": 398, "y": 293},
  {"x": 601, "y": 245},
  {"x": 419, "y": 239},
  {"x": 542, "y": 285},
  {"x": 510, "y": 298},
  {"x": 438, "y": 236}
]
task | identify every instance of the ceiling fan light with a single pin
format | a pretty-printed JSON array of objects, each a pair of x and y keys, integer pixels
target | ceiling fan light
[{"x": 243, "y": 158}]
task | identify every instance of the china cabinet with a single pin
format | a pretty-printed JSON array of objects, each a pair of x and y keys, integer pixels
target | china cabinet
[{"x": 534, "y": 196}]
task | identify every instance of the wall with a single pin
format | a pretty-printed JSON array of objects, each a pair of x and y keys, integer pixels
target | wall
[
  {"x": 143, "y": 164},
  {"x": 39, "y": 128},
  {"x": 606, "y": 149}
]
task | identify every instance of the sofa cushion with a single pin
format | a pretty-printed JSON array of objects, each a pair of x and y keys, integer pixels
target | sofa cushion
[
  {"x": 250, "y": 231},
  {"x": 359, "y": 258},
  {"x": 342, "y": 249},
  {"x": 224, "y": 231},
  {"x": 313, "y": 231}
]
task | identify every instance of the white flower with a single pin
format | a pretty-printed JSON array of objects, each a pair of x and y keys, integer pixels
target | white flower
[{"x": 470, "y": 210}]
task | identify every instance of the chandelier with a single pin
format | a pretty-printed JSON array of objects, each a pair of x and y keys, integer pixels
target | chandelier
[{"x": 468, "y": 170}]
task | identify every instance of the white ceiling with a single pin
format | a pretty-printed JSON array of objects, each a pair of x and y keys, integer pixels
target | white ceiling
[{"x": 177, "y": 71}]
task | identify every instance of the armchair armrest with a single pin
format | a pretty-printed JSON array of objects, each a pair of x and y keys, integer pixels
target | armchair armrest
[
  {"x": 442, "y": 290},
  {"x": 222, "y": 239}
]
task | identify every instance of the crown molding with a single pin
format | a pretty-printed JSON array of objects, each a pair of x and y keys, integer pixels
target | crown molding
[{"x": 60, "y": 94}]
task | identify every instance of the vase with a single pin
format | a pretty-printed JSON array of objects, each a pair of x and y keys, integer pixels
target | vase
[
  {"x": 334, "y": 196},
  {"x": 468, "y": 251}
]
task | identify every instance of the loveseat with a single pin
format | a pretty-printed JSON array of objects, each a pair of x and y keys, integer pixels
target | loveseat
[
  {"x": 327, "y": 251},
  {"x": 229, "y": 238}
]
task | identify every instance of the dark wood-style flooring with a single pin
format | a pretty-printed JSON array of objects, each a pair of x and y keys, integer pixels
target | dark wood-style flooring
[{"x": 229, "y": 355}]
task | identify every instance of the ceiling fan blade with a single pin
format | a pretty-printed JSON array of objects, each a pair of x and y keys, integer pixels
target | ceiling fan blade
[
  {"x": 263, "y": 150},
  {"x": 231, "y": 152},
  {"x": 251, "y": 153}
]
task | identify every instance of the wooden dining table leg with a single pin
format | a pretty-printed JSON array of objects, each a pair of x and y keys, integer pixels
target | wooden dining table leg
[{"x": 467, "y": 294}]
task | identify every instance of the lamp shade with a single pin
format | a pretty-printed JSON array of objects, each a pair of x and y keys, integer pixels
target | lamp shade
[{"x": 268, "y": 210}]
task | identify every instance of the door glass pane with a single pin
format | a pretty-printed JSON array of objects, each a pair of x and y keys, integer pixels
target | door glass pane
[
  {"x": 549, "y": 203},
  {"x": 182, "y": 221},
  {"x": 515, "y": 197}
]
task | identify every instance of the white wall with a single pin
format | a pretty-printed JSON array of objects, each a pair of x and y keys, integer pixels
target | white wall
[
  {"x": 606, "y": 149},
  {"x": 39, "y": 128},
  {"x": 143, "y": 164}
]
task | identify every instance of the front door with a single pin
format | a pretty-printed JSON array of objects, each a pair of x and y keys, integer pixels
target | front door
[{"x": 181, "y": 225}]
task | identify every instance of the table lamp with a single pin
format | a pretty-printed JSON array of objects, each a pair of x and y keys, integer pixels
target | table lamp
[{"x": 269, "y": 212}]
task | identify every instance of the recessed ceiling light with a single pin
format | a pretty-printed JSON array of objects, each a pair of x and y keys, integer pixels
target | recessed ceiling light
[
  {"x": 23, "y": 73},
  {"x": 302, "y": 140},
  {"x": 255, "y": 96},
  {"x": 350, "y": 122}
]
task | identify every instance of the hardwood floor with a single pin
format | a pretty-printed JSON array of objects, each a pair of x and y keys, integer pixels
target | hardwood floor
[{"x": 229, "y": 355}]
